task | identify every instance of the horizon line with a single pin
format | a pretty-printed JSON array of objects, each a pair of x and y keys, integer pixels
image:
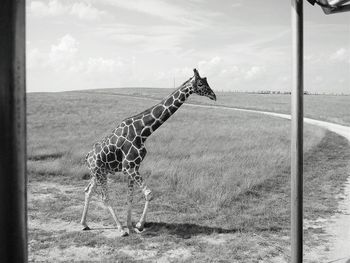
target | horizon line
[{"x": 261, "y": 92}]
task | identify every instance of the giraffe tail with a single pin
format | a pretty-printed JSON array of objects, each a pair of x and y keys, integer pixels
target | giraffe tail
[
  {"x": 86, "y": 158},
  {"x": 85, "y": 162}
]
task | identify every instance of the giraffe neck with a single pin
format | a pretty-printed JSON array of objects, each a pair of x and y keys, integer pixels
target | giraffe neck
[{"x": 159, "y": 113}]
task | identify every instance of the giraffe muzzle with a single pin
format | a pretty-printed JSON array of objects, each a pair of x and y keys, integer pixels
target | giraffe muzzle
[{"x": 212, "y": 97}]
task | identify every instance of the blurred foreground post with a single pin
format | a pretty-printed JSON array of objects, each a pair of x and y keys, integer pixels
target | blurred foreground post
[
  {"x": 13, "y": 230},
  {"x": 297, "y": 134}
]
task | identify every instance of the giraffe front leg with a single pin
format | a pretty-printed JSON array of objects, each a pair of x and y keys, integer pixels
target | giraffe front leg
[
  {"x": 148, "y": 196},
  {"x": 106, "y": 202},
  {"x": 88, "y": 192},
  {"x": 129, "y": 200},
  {"x": 134, "y": 174}
]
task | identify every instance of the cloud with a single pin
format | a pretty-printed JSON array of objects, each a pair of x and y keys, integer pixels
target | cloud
[
  {"x": 253, "y": 72},
  {"x": 65, "y": 49},
  {"x": 243, "y": 73},
  {"x": 64, "y": 57},
  {"x": 205, "y": 67},
  {"x": 219, "y": 66},
  {"x": 51, "y": 8},
  {"x": 59, "y": 57},
  {"x": 223, "y": 74},
  {"x": 341, "y": 54},
  {"x": 211, "y": 66},
  {"x": 86, "y": 11},
  {"x": 168, "y": 38},
  {"x": 234, "y": 5},
  {"x": 102, "y": 65},
  {"x": 187, "y": 13}
]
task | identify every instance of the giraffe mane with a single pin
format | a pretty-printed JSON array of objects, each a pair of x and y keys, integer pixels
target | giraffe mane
[{"x": 186, "y": 81}]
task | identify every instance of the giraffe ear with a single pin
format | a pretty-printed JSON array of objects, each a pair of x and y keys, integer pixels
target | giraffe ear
[{"x": 196, "y": 73}]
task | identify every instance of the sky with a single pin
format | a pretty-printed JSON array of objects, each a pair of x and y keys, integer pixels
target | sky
[{"x": 238, "y": 45}]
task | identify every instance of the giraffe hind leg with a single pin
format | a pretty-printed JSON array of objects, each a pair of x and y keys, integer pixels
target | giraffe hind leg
[
  {"x": 106, "y": 201},
  {"x": 129, "y": 201},
  {"x": 134, "y": 174}
]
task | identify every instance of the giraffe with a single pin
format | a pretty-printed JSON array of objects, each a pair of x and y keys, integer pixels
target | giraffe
[{"x": 124, "y": 150}]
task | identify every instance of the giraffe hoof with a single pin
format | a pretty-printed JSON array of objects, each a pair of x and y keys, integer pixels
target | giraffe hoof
[
  {"x": 138, "y": 231},
  {"x": 124, "y": 232},
  {"x": 139, "y": 226},
  {"x": 86, "y": 228}
]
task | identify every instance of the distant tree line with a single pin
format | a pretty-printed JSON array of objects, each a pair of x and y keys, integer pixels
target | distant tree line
[{"x": 284, "y": 92}]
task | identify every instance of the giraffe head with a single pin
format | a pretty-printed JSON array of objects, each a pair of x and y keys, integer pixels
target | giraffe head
[{"x": 201, "y": 86}]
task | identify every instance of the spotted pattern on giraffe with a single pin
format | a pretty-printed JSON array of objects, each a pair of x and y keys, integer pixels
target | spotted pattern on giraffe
[{"x": 124, "y": 149}]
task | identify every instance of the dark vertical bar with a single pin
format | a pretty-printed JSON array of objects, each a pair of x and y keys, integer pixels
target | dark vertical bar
[
  {"x": 13, "y": 226},
  {"x": 297, "y": 135}
]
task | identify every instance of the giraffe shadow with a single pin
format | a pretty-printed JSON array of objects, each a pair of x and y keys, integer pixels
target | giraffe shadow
[
  {"x": 184, "y": 231},
  {"x": 102, "y": 228}
]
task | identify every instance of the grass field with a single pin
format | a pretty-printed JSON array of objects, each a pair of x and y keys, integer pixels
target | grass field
[
  {"x": 221, "y": 182},
  {"x": 321, "y": 107}
]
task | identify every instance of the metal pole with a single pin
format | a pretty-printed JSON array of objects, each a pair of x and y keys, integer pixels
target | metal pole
[
  {"x": 297, "y": 135},
  {"x": 13, "y": 237}
]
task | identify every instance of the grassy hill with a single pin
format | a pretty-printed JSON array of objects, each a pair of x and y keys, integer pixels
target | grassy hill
[{"x": 221, "y": 179}]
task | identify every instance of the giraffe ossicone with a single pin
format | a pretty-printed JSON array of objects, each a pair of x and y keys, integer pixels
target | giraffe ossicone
[{"x": 124, "y": 150}]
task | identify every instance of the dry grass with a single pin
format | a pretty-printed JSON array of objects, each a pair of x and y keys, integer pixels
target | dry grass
[{"x": 212, "y": 172}]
